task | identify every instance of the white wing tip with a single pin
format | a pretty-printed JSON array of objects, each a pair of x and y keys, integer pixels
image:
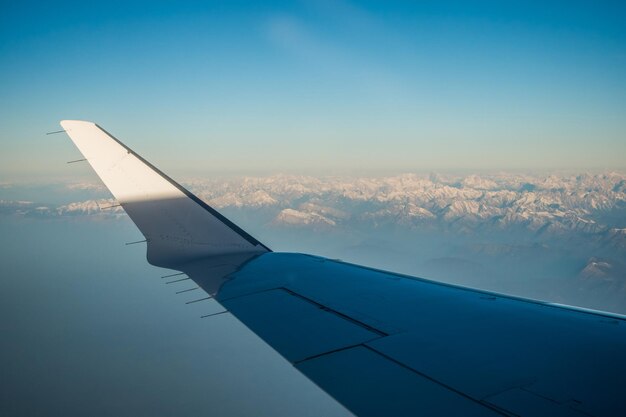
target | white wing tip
[{"x": 65, "y": 123}]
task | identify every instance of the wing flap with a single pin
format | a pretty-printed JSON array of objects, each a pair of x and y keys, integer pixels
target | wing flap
[
  {"x": 300, "y": 329},
  {"x": 369, "y": 384}
]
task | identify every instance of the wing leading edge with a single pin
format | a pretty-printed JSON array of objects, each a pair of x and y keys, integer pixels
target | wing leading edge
[{"x": 380, "y": 343}]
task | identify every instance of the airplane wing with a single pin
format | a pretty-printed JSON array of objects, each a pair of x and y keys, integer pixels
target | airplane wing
[{"x": 380, "y": 343}]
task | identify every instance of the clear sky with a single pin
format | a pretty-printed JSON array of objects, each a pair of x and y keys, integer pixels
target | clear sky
[{"x": 317, "y": 86}]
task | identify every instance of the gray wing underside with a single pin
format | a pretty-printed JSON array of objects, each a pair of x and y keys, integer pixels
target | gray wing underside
[{"x": 381, "y": 344}]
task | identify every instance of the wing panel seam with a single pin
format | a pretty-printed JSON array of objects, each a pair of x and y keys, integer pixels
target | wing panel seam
[
  {"x": 337, "y": 313},
  {"x": 397, "y": 362},
  {"x": 316, "y": 304}
]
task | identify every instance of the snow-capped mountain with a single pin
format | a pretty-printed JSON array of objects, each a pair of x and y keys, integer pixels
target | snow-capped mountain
[
  {"x": 302, "y": 218},
  {"x": 552, "y": 203},
  {"x": 541, "y": 204}
]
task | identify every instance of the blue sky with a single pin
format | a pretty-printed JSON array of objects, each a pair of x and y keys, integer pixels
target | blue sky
[{"x": 317, "y": 86}]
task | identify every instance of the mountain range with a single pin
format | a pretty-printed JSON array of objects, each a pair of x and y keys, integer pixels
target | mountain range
[{"x": 553, "y": 236}]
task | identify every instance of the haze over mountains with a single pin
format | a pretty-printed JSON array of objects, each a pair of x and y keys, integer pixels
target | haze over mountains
[{"x": 557, "y": 237}]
